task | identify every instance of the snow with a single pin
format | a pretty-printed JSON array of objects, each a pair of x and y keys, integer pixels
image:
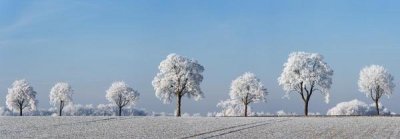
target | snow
[
  {"x": 178, "y": 74},
  {"x": 121, "y": 95},
  {"x": 244, "y": 90},
  {"x": 231, "y": 107},
  {"x": 305, "y": 73},
  {"x": 356, "y": 107},
  {"x": 209, "y": 127},
  {"x": 376, "y": 78},
  {"x": 82, "y": 110},
  {"x": 248, "y": 88},
  {"x": 21, "y": 95},
  {"x": 375, "y": 81},
  {"x": 60, "y": 92},
  {"x": 61, "y": 95}
]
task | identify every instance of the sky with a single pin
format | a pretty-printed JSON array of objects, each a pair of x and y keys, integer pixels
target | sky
[{"x": 90, "y": 44}]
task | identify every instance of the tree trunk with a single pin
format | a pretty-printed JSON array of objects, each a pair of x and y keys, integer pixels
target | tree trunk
[
  {"x": 20, "y": 111},
  {"x": 60, "y": 112},
  {"x": 377, "y": 107},
  {"x": 61, "y": 107},
  {"x": 178, "y": 106},
  {"x": 306, "y": 107},
  {"x": 120, "y": 111},
  {"x": 245, "y": 110}
]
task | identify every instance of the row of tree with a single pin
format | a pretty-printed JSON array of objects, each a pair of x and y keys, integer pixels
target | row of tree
[
  {"x": 22, "y": 96},
  {"x": 303, "y": 73}
]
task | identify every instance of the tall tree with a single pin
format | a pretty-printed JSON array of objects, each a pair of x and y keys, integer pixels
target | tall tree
[
  {"x": 306, "y": 73},
  {"x": 20, "y": 96},
  {"x": 121, "y": 95},
  {"x": 247, "y": 89},
  {"x": 375, "y": 81},
  {"x": 60, "y": 95},
  {"x": 178, "y": 76}
]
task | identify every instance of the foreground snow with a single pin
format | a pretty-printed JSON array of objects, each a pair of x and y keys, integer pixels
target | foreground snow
[{"x": 199, "y": 127}]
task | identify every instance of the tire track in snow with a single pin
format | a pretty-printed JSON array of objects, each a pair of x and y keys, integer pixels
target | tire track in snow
[
  {"x": 244, "y": 128},
  {"x": 90, "y": 121},
  {"x": 97, "y": 121},
  {"x": 231, "y": 129},
  {"x": 209, "y": 132}
]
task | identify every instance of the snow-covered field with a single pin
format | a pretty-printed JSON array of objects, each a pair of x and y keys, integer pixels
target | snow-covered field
[{"x": 199, "y": 127}]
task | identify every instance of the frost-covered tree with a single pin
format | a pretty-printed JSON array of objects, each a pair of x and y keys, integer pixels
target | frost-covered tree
[
  {"x": 247, "y": 89},
  {"x": 232, "y": 107},
  {"x": 20, "y": 96},
  {"x": 375, "y": 81},
  {"x": 306, "y": 73},
  {"x": 178, "y": 76},
  {"x": 60, "y": 95},
  {"x": 121, "y": 95},
  {"x": 356, "y": 107}
]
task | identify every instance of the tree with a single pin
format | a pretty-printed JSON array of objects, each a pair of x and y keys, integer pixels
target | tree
[
  {"x": 121, "y": 95},
  {"x": 60, "y": 95},
  {"x": 20, "y": 96},
  {"x": 179, "y": 76},
  {"x": 375, "y": 81},
  {"x": 306, "y": 73},
  {"x": 247, "y": 89},
  {"x": 231, "y": 107},
  {"x": 356, "y": 107}
]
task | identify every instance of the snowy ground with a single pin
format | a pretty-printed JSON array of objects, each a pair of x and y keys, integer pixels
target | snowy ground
[{"x": 201, "y": 127}]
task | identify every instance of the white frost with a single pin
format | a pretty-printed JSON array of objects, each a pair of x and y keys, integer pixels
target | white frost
[
  {"x": 244, "y": 90},
  {"x": 20, "y": 96},
  {"x": 356, "y": 107},
  {"x": 121, "y": 95},
  {"x": 178, "y": 76},
  {"x": 305, "y": 73},
  {"x": 231, "y": 108},
  {"x": 247, "y": 89},
  {"x": 375, "y": 81},
  {"x": 61, "y": 95}
]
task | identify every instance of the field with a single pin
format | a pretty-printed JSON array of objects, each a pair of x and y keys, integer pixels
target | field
[{"x": 199, "y": 127}]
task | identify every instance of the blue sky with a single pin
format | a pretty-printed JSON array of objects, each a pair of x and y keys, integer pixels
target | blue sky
[{"x": 90, "y": 44}]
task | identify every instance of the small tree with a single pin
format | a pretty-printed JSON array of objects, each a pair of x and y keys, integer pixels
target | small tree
[
  {"x": 20, "y": 96},
  {"x": 231, "y": 107},
  {"x": 247, "y": 89},
  {"x": 179, "y": 76},
  {"x": 121, "y": 95},
  {"x": 375, "y": 81},
  {"x": 60, "y": 95},
  {"x": 306, "y": 73}
]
